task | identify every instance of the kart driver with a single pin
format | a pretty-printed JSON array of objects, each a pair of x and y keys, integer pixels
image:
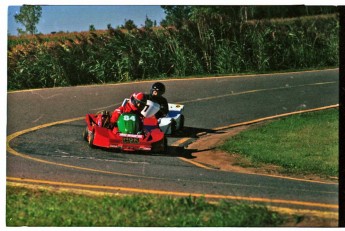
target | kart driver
[
  {"x": 156, "y": 95},
  {"x": 134, "y": 105}
]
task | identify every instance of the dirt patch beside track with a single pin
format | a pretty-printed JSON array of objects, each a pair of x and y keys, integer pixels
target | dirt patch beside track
[{"x": 205, "y": 152}]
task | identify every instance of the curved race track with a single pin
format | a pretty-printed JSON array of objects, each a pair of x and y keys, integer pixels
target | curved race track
[{"x": 45, "y": 145}]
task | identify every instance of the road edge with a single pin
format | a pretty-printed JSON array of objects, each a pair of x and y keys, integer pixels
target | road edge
[{"x": 187, "y": 141}]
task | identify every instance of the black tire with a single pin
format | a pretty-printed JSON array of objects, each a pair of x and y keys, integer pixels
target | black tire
[
  {"x": 160, "y": 146},
  {"x": 85, "y": 134},
  {"x": 173, "y": 126},
  {"x": 165, "y": 143},
  {"x": 181, "y": 122},
  {"x": 91, "y": 138}
]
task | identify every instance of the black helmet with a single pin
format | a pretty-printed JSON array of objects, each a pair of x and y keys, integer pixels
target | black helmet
[{"x": 159, "y": 87}]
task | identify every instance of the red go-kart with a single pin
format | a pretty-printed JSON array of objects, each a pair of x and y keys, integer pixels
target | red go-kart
[{"x": 130, "y": 134}]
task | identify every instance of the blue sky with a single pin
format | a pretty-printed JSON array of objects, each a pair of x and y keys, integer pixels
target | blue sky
[{"x": 79, "y": 17}]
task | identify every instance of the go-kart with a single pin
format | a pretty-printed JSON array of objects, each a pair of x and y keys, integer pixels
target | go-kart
[{"x": 130, "y": 134}]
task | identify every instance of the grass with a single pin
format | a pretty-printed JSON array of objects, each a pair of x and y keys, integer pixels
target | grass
[
  {"x": 38, "y": 207},
  {"x": 301, "y": 144}
]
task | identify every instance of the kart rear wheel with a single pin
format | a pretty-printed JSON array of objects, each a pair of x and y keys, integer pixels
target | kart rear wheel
[
  {"x": 165, "y": 143},
  {"x": 173, "y": 126},
  {"x": 160, "y": 146},
  {"x": 181, "y": 122}
]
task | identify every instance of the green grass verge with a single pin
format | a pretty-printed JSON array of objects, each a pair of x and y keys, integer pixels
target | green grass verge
[
  {"x": 38, "y": 207},
  {"x": 303, "y": 144}
]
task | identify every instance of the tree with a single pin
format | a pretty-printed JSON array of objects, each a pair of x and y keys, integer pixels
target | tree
[
  {"x": 176, "y": 15},
  {"x": 148, "y": 23},
  {"x": 129, "y": 25},
  {"x": 92, "y": 27},
  {"x": 29, "y": 16}
]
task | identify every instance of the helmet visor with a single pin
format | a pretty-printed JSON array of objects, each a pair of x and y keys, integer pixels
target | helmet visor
[
  {"x": 156, "y": 92},
  {"x": 138, "y": 103}
]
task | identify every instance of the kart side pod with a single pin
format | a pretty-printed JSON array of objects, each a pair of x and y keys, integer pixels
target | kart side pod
[{"x": 174, "y": 121}]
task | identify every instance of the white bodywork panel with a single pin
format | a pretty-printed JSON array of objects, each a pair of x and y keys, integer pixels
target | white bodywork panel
[{"x": 175, "y": 113}]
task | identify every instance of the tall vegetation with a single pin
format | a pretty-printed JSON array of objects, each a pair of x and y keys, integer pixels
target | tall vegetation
[{"x": 194, "y": 41}]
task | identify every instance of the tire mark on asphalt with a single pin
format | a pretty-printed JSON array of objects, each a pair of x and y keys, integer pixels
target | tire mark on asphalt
[
  {"x": 35, "y": 121},
  {"x": 255, "y": 91},
  {"x": 44, "y": 97},
  {"x": 105, "y": 107},
  {"x": 95, "y": 159}
]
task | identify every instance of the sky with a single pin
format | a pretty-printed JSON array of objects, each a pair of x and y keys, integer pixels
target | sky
[
  {"x": 71, "y": 18},
  {"x": 78, "y": 15}
]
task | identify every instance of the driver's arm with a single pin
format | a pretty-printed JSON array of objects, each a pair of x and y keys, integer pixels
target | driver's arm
[{"x": 164, "y": 108}]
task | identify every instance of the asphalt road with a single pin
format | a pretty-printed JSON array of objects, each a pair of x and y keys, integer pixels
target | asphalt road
[{"x": 57, "y": 155}]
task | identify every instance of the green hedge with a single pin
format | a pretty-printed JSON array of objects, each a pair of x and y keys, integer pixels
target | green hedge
[{"x": 118, "y": 55}]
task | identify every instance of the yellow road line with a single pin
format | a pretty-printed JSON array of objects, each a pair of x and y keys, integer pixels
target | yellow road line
[
  {"x": 261, "y": 120},
  {"x": 53, "y": 188},
  {"x": 16, "y": 134},
  {"x": 200, "y": 165},
  {"x": 275, "y": 117},
  {"x": 316, "y": 213},
  {"x": 180, "y": 141},
  {"x": 182, "y": 79},
  {"x": 174, "y": 193},
  {"x": 290, "y": 211},
  {"x": 14, "y": 152}
]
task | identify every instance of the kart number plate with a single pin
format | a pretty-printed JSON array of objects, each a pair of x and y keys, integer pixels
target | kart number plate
[{"x": 130, "y": 140}]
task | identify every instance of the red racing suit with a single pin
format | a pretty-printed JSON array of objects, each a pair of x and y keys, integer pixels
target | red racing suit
[{"x": 127, "y": 108}]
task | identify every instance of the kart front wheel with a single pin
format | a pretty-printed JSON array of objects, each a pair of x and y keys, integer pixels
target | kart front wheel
[
  {"x": 91, "y": 138},
  {"x": 85, "y": 133}
]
